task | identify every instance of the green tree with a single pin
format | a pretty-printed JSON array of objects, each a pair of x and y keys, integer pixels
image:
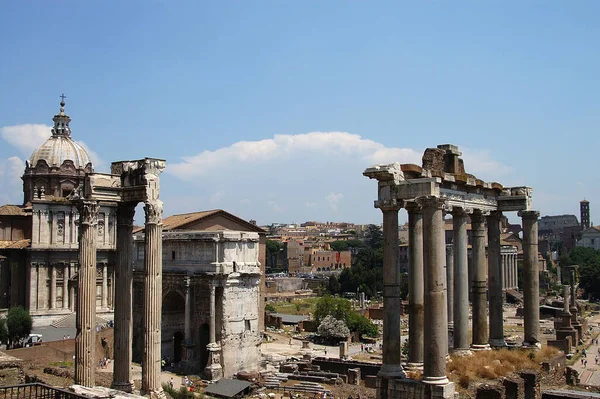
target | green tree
[
  {"x": 18, "y": 324},
  {"x": 272, "y": 248},
  {"x": 588, "y": 260},
  {"x": 341, "y": 309},
  {"x": 339, "y": 246},
  {"x": 3, "y": 331},
  {"x": 334, "y": 285}
]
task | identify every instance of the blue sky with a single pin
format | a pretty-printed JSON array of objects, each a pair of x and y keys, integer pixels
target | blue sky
[{"x": 272, "y": 109}]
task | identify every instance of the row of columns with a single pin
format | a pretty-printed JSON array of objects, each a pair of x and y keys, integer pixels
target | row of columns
[
  {"x": 509, "y": 268},
  {"x": 86, "y": 313},
  {"x": 431, "y": 312}
]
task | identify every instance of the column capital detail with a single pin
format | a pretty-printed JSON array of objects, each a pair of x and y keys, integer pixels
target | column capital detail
[
  {"x": 529, "y": 214},
  {"x": 495, "y": 215},
  {"x": 88, "y": 212},
  {"x": 389, "y": 204},
  {"x": 413, "y": 207},
  {"x": 154, "y": 210},
  {"x": 431, "y": 201},
  {"x": 125, "y": 213},
  {"x": 458, "y": 211}
]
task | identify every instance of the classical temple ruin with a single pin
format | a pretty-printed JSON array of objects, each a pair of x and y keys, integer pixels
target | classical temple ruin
[{"x": 442, "y": 186}]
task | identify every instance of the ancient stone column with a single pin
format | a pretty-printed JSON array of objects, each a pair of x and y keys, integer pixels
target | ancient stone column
[
  {"x": 461, "y": 282},
  {"x": 495, "y": 281},
  {"x": 65, "y": 292},
  {"x": 104, "y": 287},
  {"x": 52, "y": 267},
  {"x": 151, "y": 384},
  {"x": 479, "y": 283},
  {"x": 123, "y": 280},
  {"x": 436, "y": 317},
  {"x": 450, "y": 285},
  {"x": 531, "y": 279},
  {"x": 85, "y": 341},
  {"x": 188, "y": 311},
  {"x": 213, "y": 370},
  {"x": 415, "y": 286},
  {"x": 392, "y": 303}
]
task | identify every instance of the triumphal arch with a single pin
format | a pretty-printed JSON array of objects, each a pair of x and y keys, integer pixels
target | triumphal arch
[
  {"x": 441, "y": 185},
  {"x": 128, "y": 184}
]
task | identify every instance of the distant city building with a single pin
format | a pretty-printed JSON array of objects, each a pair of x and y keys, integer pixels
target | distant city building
[
  {"x": 584, "y": 211},
  {"x": 590, "y": 238}
]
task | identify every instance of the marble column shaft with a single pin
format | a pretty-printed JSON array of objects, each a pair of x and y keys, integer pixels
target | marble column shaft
[
  {"x": 52, "y": 285},
  {"x": 461, "y": 281},
  {"x": 435, "y": 315},
  {"x": 188, "y": 311},
  {"x": 450, "y": 283},
  {"x": 531, "y": 278},
  {"x": 212, "y": 338},
  {"x": 151, "y": 383},
  {"x": 495, "y": 282},
  {"x": 479, "y": 283},
  {"x": 104, "y": 286},
  {"x": 392, "y": 303},
  {"x": 123, "y": 331},
  {"x": 65, "y": 289},
  {"x": 416, "y": 331},
  {"x": 85, "y": 340}
]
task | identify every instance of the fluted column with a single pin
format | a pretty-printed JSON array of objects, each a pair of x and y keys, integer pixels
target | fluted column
[
  {"x": 85, "y": 341},
  {"x": 188, "y": 311},
  {"x": 461, "y": 282},
  {"x": 495, "y": 281},
  {"x": 531, "y": 279},
  {"x": 392, "y": 304},
  {"x": 479, "y": 283},
  {"x": 450, "y": 284},
  {"x": 435, "y": 315},
  {"x": 65, "y": 290},
  {"x": 151, "y": 384},
  {"x": 416, "y": 333},
  {"x": 123, "y": 290},
  {"x": 104, "y": 287},
  {"x": 52, "y": 267},
  {"x": 213, "y": 370},
  {"x": 515, "y": 271}
]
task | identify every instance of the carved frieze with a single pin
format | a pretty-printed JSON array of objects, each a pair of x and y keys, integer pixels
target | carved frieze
[{"x": 154, "y": 210}]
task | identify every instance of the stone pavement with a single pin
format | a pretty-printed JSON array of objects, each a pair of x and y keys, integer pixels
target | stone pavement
[{"x": 590, "y": 374}]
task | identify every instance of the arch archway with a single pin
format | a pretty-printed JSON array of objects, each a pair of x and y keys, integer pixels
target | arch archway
[
  {"x": 172, "y": 324},
  {"x": 177, "y": 342}
]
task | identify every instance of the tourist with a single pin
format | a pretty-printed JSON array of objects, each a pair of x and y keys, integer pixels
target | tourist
[
  {"x": 171, "y": 383},
  {"x": 584, "y": 353},
  {"x": 596, "y": 359}
]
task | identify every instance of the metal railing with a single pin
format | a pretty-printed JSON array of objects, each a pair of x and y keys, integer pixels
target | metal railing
[{"x": 36, "y": 391}]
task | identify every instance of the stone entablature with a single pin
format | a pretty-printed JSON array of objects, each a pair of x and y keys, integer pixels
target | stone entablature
[
  {"x": 223, "y": 252},
  {"x": 55, "y": 226}
]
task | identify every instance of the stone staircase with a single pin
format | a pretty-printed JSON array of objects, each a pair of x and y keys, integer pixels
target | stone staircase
[{"x": 69, "y": 321}]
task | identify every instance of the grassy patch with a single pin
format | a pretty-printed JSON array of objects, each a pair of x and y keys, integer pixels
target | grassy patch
[
  {"x": 489, "y": 365},
  {"x": 302, "y": 306}
]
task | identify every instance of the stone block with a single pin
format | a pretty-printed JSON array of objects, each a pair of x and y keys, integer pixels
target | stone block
[
  {"x": 531, "y": 379},
  {"x": 354, "y": 376},
  {"x": 370, "y": 381},
  {"x": 445, "y": 391},
  {"x": 488, "y": 391},
  {"x": 514, "y": 387}
]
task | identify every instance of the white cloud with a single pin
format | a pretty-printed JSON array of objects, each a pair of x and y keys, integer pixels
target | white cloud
[
  {"x": 310, "y": 204},
  {"x": 11, "y": 170},
  {"x": 333, "y": 199},
  {"x": 218, "y": 196},
  {"x": 26, "y": 138},
  {"x": 480, "y": 162}
]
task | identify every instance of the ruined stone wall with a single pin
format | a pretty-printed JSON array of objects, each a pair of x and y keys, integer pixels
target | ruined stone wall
[{"x": 240, "y": 333}]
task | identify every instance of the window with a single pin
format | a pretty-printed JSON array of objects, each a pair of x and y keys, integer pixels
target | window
[{"x": 247, "y": 322}]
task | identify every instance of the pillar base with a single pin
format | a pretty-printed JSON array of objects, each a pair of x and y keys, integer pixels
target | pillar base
[
  {"x": 462, "y": 352},
  {"x": 440, "y": 391},
  {"x": 123, "y": 386},
  {"x": 531, "y": 345},
  {"x": 391, "y": 371},
  {"x": 155, "y": 394},
  {"x": 480, "y": 347},
  {"x": 498, "y": 343},
  {"x": 443, "y": 380},
  {"x": 416, "y": 366},
  {"x": 214, "y": 370}
]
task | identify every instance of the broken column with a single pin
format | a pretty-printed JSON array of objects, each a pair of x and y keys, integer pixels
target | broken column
[
  {"x": 151, "y": 384},
  {"x": 415, "y": 286},
  {"x": 435, "y": 316},
  {"x": 123, "y": 299},
  {"x": 85, "y": 340},
  {"x": 495, "y": 282},
  {"x": 461, "y": 282},
  {"x": 479, "y": 283},
  {"x": 531, "y": 279}
]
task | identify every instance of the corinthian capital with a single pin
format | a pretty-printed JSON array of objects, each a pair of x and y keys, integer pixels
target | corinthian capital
[
  {"x": 88, "y": 212},
  {"x": 125, "y": 214},
  {"x": 154, "y": 210}
]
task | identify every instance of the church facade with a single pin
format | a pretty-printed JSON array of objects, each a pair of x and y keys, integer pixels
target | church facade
[{"x": 38, "y": 239}]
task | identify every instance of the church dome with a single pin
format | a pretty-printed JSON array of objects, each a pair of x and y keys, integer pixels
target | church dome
[{"x": 60, "y": 147}]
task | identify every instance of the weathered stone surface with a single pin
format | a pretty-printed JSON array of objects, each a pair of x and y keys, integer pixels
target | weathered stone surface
[{"x": 488, "y": 391}]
